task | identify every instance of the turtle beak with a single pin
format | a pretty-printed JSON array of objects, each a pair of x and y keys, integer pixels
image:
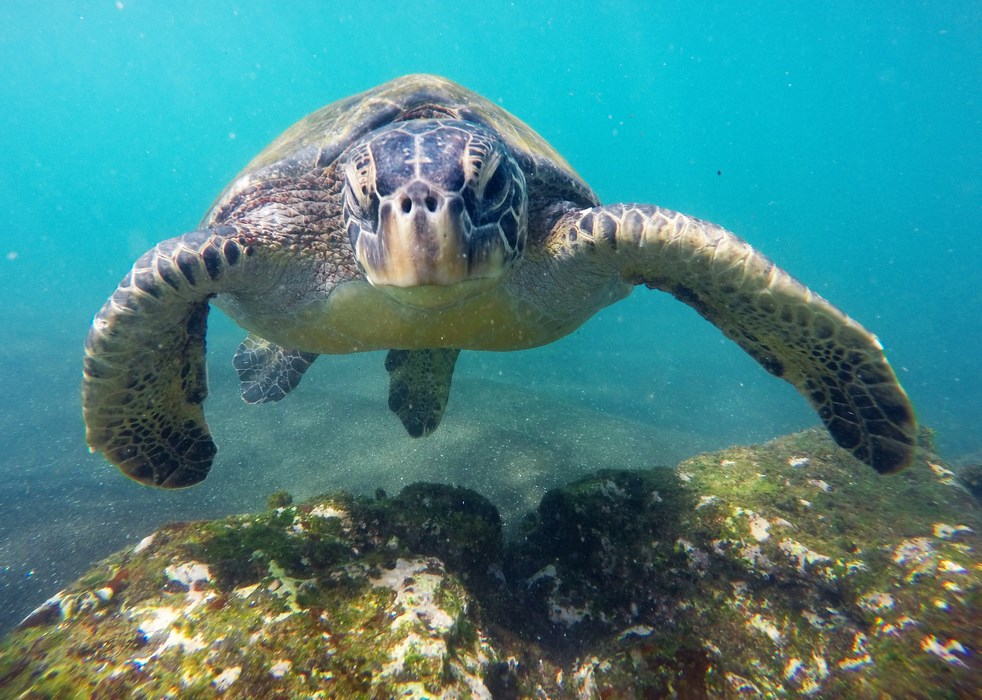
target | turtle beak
[{"x": 422, "y": 239}]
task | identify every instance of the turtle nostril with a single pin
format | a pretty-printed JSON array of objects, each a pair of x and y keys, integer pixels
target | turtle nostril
[
  {"x": 430, "y": 203},
  {"x": 407, "y": 205}
]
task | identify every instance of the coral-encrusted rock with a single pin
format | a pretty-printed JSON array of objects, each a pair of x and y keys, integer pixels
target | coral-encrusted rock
[
  {"x": 779, "y": 570},
  {"x": 283, "y": 604},
  {"x": 970, "y": 475}
]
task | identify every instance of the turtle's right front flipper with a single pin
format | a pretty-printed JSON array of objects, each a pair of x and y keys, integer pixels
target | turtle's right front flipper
[{"x": 144, "y": 375}]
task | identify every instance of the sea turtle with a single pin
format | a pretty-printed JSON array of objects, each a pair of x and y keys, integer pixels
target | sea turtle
[{"x": 421, "y": 218}]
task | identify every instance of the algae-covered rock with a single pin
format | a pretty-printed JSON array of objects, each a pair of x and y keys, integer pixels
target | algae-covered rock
[
  {"x": 288, "y": 603},
  {"x": 780, "y": 570},
  {"x": 775, "y": 570},
  {"x": 971, "y": 477}
]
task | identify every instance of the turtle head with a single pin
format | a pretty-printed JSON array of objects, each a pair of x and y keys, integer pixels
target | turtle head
[{"x": 433, "y": 203}]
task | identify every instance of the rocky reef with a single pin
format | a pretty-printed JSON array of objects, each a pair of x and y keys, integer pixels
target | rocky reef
[{"x": 779, "y": 570}]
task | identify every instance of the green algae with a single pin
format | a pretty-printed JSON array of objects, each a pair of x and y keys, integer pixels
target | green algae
[
  {"x": 777, "y": 570},
  {"x": 279, "y": 499}
]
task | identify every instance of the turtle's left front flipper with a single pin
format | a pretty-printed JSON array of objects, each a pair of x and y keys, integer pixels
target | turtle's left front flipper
[
  {"x": 144, "y": 374},
  {"x": 794, "y": 333}
]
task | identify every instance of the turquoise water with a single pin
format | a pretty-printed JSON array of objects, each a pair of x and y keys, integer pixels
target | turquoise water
[{"x": 841, "y": 140}]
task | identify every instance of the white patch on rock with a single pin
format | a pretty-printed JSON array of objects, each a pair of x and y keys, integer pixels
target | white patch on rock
[
  {"x": 946, "y": 651},
  {"x": 801, "y": 555},
  {"x": 875, "y": 602},
  {"x": 159, "y": 620},
  {"x": 179, "y": 639},
  {"x": 913, "y": 550},
  {"x": 698, "y": 559},
  {"x": 246, "y": 591},
  {"x": 819, "y": 484},
  {"x": 707, "y": 501},
  {"x": 636, "y": 631},
  {"x": 945, "y": 476},
  {"x": 814, "y": 619},
  {"x": 144, "y": 543},
  {"x": 741, "y": 685},
  {"x": 855, "y": 663},
  {"x": 224, "y": 680},
  {"x": 415, "y": 594},
  {"x": 280, "y": 668},
  {"x": 767, "y": 627},
  {"x": 46, "y": 610},
  {"x": 297, "y": 527},
  {"x": 948, "y": 532},
  {"x": 567, "y": 615},
  {"x": 812, "y": 675},
  {"x": 188, "y": 574},
  {"x": 890, "y": 629},
  {"x": 545, "y": 572},
  {"x": 611, "y": 489},
  {"x": 821, "y": 666},
  {"x": 162, "y": 620},
  {"x": 273, "y": 619},
  {"x": 759, "y": 528},
  {"x": 586, "y": 685},
  {"x": 196, "y": 576},
  {"x": 798, "y": 462},
  {"x": 948, "y": 566},
  {"x": 855, "y": 566},
  {"x": 322, "y": 510},
  {"x": 754, "y": 555}
]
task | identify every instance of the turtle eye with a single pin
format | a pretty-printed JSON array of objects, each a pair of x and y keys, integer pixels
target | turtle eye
[
  {"x": 358, "y": 189},
  {"x": 359, "y": 194},
  {"x": 495, "y": 188}
]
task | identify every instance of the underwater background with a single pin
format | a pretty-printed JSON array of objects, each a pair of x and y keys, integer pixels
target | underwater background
[{"x": 842, "y": 140}]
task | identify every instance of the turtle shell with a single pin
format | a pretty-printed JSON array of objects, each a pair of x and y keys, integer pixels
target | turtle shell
[{"x": 319, "y": 139}]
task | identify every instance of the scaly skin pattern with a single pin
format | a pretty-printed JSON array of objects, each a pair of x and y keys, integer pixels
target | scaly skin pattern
[
  {"x": 144, "y": 376},
  {"x": 792, "y": 332},
  {"x": 275, "y": 253}
]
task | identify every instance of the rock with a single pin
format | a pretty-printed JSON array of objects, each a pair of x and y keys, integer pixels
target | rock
[
  {"x": 971, "y": 477},
  {"x": 783, "y": 569}
]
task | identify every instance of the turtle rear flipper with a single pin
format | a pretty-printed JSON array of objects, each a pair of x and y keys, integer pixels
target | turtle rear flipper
[
  {"x": 792, "y": 332},
  {"x": 419, "y": 385},
  {"x": 144, "y": 376},
  {"x": 267, "y": 371}
]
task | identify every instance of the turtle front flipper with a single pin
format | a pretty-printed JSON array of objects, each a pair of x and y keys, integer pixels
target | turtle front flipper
[
  {"x": 419, "y": 385},
  {"x": 144, "y": 375},
  {"x": 267, "y": 371},
  {"x": 794, "y": 333}
]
